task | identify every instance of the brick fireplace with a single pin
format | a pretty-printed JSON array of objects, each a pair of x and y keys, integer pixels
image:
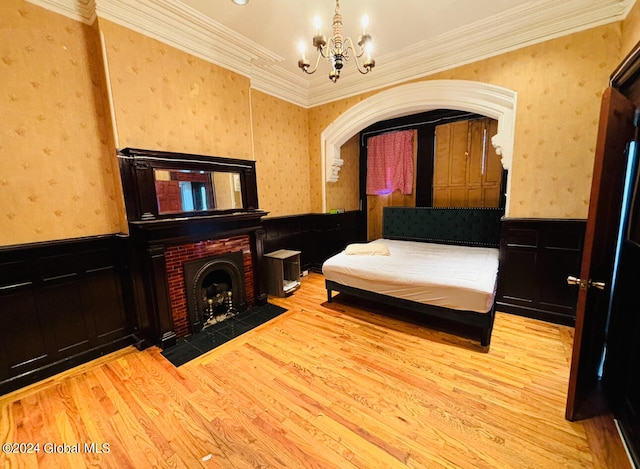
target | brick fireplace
[
  {"x": 177, "y": 256},
  {"x": 215, "y": 212},
  {"x": 160, "y": 250}
]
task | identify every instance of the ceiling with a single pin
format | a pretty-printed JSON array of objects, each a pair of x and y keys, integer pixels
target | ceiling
[{"x": 412, "y": 38}]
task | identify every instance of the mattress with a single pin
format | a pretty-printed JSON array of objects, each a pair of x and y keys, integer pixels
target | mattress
[{"x": 455, "y": 277}]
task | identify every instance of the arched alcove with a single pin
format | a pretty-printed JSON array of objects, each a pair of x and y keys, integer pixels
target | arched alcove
[{"x": 489, "y": 100}]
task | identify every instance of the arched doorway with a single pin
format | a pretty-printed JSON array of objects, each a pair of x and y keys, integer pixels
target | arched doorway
[{"x": 492, "y": 101}]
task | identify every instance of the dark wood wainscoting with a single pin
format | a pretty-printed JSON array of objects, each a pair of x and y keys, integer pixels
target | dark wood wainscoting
[
  {"x": 536, "y": 257},
  {"x": 61, "y": 303},
  {"x": 317, "y": 235}
]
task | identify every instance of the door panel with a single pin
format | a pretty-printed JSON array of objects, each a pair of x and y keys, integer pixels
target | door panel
[
  {"x": 615, "y": 130},
  {"x": 467, "y": 170},
  {"x": 476, "y": 153}
]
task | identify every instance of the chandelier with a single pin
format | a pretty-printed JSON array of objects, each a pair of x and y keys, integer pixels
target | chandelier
[{"x": 339, "y": 49}]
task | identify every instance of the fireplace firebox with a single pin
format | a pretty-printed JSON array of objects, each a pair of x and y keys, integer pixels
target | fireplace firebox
[{"x": 215, "y": 289}]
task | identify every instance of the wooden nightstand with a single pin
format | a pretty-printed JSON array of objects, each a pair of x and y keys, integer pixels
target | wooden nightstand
[{"x": 282, "y": 272}]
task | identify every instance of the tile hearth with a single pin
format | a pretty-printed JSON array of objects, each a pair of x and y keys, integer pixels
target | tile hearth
[{"x": 190, "y": 347}]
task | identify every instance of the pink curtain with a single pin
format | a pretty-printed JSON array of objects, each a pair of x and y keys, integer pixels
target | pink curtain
[{"x": 390, "y": 163}]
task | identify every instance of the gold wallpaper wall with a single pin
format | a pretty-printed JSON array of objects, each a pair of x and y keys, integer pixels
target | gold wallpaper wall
[
  {"x": 559, "y": 85},
  {"x": 344, "y": 193},
  {"x": 57, "y": 176},
  {"x": 168, "y": 100},
  {"x": 319, "y": 118},
  {"x": 57, "y": 167},
  {"x": 631, "y": 30},
  {"x": 281, "y": 146}
]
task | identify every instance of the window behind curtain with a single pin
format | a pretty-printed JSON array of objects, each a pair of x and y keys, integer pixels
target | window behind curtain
[{"x": 390, "y": 163}]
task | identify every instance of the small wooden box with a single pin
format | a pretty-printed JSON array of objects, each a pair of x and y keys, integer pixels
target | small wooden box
[{"x": 282, "y": 272}]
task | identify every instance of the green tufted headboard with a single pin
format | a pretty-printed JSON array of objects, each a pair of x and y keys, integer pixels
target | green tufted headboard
[{"x": 463, "y": 226}]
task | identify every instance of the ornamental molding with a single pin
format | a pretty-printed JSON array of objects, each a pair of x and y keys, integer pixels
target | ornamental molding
[
  {"x": 489, "y": 100},
  {"x": 186, "y": 29}
]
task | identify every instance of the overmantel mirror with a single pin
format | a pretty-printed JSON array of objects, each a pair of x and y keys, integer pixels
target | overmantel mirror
[{"x": 167, "y": 185}]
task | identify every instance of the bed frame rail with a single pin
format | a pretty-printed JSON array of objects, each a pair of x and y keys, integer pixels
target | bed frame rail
[{"x": 481, "y": 321}]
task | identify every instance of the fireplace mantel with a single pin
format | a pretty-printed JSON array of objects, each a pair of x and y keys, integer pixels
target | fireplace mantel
[{"x": 175, "y": 231}]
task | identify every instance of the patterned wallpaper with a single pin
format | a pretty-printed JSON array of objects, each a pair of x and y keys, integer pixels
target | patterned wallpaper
[
  {"x": 281, "y": 145},
  {"x": 344, "y": 192},
  {"x": 631, "y": 30},
  {"x": 168, "y": 100},
  {"x": 57, "y": 174},
  {"x": 319, "y": 118}
]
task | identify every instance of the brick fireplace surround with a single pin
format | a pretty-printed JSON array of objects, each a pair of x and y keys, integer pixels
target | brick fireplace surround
[
  {"x": 176, "y": 256},
  {"x": 159, "y": 242}
]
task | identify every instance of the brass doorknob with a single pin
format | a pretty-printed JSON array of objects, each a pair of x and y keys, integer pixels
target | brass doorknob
[
  {"x": 571, "y": 280},
  {"x": 584, "y": 284}
]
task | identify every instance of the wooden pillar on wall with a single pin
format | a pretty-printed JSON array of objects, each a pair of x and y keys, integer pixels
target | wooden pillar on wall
[{"x": 157, "y": 298}]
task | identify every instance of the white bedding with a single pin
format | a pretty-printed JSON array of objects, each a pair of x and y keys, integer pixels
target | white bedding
[{"x": 456, "y": 277}]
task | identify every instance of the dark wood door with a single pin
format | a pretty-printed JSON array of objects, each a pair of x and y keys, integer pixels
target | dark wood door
[
  {"x": 621, "y": 378},
  {"x": 616, "y": 130}
]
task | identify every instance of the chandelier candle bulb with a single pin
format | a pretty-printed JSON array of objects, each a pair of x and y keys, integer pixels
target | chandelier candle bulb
[
  {"x": 369, "y": 62},
  {"x": 303, "y": 50}
]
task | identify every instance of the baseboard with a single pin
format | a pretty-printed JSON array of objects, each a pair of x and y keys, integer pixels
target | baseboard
[{"x": 536, "y": 313}]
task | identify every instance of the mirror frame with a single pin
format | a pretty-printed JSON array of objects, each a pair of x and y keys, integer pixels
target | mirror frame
[{"x": 138, "y": 182}]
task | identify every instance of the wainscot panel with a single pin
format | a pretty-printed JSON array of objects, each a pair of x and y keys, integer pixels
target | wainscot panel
[
  {"x": 536, "y": 257},
  {"x": 317, "y": 235},
  {"x": 62, "y": 303}
]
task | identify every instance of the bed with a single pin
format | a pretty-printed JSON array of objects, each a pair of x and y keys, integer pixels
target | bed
[{"x": 442, "y": 262}]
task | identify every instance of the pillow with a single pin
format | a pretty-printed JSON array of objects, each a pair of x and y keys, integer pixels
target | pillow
[{"x": 369, "y": 249}]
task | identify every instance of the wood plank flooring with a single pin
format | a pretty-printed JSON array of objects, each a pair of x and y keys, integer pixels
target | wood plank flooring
[{"x": 322, "y": 386}]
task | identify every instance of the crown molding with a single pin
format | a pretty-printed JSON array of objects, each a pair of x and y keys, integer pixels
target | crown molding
[
  {"x": 78, "y": 10},
  {"x": 180, "y": 26},
  {"x": 270, "y": 79},
  {"x": 184, "y": 28},
  {"x": 529, "y": 24}
]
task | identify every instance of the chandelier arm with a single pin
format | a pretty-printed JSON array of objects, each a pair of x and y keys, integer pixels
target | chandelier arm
[
  {"x": 315, "y": 67},
  {"x": 364, "y": 69},
  {"x": 348, "y": 46},
  {"x": 324, "y": 52}
]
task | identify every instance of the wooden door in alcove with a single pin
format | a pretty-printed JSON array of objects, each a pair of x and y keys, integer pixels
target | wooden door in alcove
[{"x": 467, "y": 169}]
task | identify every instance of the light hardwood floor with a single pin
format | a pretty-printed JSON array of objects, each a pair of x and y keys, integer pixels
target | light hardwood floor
[{"x": 322, "y": 386}]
